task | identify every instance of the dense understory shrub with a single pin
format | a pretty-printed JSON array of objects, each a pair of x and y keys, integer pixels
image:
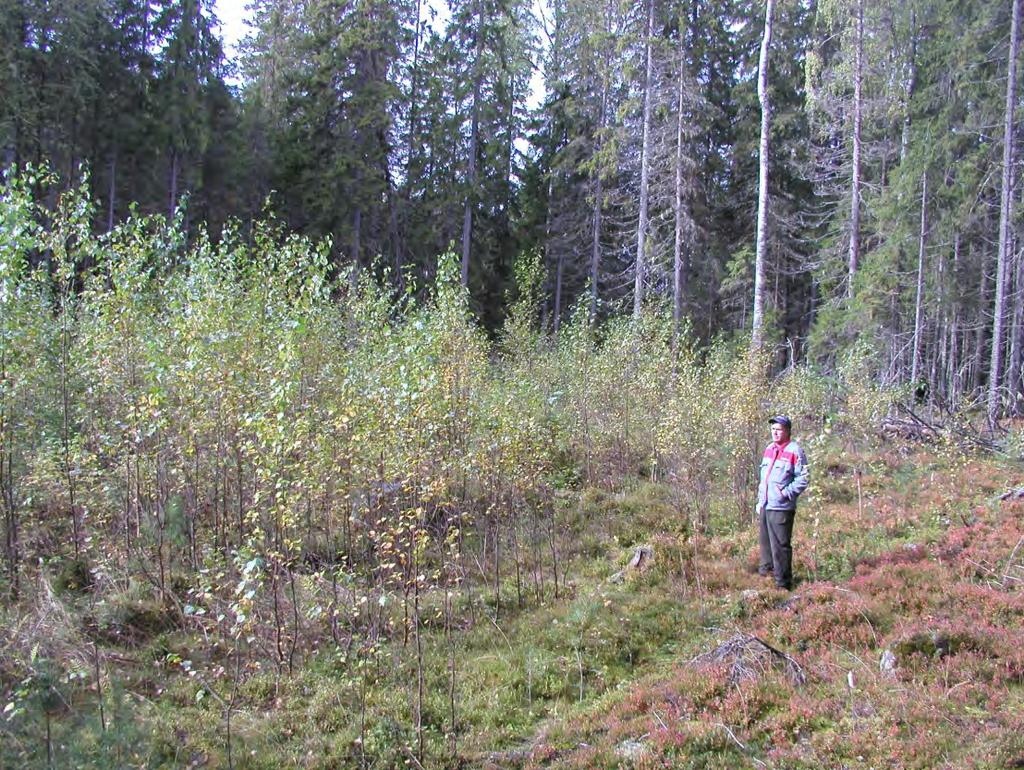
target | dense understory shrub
[{"x": 229, "y": 440}]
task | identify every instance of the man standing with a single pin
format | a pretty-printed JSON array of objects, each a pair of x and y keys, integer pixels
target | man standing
[{"x": 784, "y": 475}]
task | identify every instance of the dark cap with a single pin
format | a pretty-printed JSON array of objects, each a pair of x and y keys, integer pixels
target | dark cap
[{"x": 781, "y": 419}]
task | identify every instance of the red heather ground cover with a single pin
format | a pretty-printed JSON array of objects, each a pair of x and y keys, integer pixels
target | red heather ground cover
[{"x": 950, "y": 610}]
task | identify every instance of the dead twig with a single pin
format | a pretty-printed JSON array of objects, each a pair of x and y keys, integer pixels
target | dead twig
[
  {"x": 739, "y": 743},
  {"x": 732, "y": 735},
  {"x": 749, "y": 657},
  {"x": 412, "y": 758},
  {"x": 1011, "y": 563}
]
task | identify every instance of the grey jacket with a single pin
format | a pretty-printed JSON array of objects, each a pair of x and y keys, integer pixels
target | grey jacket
[{"x": 784, "y": 475}]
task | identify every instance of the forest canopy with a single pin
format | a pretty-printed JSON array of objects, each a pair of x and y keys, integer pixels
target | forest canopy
[{"x": 636, "y": 177}]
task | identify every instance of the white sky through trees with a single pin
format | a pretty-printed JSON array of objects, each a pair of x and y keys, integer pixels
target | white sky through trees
[{"x": 234, "y": 16}]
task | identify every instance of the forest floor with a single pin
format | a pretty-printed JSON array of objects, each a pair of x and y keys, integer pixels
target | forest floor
[{"x": 899, "y": 647}]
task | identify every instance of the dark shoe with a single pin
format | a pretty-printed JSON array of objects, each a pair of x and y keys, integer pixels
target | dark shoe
[
  {"x": 764, "y": 572},
  {"x": 784, "y": 586}
]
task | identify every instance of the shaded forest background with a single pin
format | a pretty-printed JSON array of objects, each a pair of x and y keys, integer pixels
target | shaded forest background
[{"x": 398, "y": 137}]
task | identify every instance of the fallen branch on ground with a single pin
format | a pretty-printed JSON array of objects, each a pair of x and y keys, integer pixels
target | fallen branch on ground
[{"x": 748, "y": 657}]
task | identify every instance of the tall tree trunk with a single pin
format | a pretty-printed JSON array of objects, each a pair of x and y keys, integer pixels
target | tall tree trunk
[
  {"x": 980, "y": 328},
  {"x": 356, "y": 243},
  {"x": 7, "y": 499},
  {"x": 18, "y": 76},
  {"x": 401, "y": 204},
  {"x": 1015, "y": 371},
  {"x": 112, "y": 191},
  {"x": 413, "y": 94},
  {"x": 510, "y": 145},
  {"x": 762, "y": 185},
  {"x": 548, "y": 250},
  {"x": 595, "y": 226},
  {"x": 858, "y": 109},
  {"x": 65, "y": 393},
  {"x": 645, "y": 161},
  {"x": 556, "y": 312},
  {"x": 173, "y": 196},
  {"x": 474, "y": 138},
  {"x": 1002, "y": 267},
  {"x": 1015, "y": 383},
  {"x": 908, "y": 90},
  {"x": 595, "y": 245},
  {"x": 953, "y": 376},
  {"x": 915, "y": 365},
  {"x": 938, "y": 334},
  {"x": 1016, "y": 334},
  {"x": 678, "y": 254}
]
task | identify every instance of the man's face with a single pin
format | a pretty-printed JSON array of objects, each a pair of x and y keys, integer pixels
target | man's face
[{"x": 779, "y": 433}]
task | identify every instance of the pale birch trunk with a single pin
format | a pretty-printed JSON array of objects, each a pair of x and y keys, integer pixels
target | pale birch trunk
[
  {"x": 858, "y": 109},
  {"x": 645, "y": 152},
  {"x": 762, "y": 187}
]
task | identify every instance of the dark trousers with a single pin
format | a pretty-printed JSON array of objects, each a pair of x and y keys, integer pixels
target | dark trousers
[{"x": 776, "y": 551}]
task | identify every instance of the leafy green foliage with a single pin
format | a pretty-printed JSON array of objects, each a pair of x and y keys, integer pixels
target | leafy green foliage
[{"x": 254, "y": 509}]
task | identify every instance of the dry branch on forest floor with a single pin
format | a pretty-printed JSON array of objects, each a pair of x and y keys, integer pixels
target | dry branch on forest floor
[{"x": 749, "y": 657}]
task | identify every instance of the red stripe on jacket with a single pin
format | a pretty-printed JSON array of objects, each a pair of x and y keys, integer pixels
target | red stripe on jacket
[{"x": 789, "y": 457}]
